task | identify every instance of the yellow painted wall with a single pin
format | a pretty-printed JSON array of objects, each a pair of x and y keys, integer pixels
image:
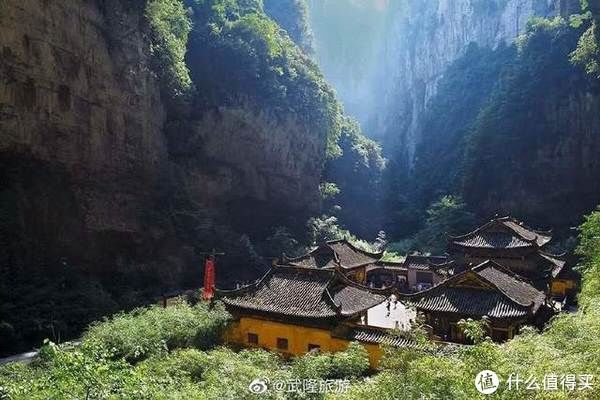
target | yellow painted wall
[
  {"x": 299, "y": 337},
  {"x": 561, "y": 286}
]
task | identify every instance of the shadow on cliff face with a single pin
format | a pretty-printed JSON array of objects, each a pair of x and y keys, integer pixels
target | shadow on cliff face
[
  {"x": 42, "y": 293},
  {"x": 57, "y": 274}
]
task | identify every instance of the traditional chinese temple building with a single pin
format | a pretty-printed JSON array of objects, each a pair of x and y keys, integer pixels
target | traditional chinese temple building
[
  {"x": 340, "y": 254},
  {"x": 325, "y": 298},
  {"x": 486, "y": 290},
  {"x": 518, "y": 248},
  {"x": 294, "y": 310}
]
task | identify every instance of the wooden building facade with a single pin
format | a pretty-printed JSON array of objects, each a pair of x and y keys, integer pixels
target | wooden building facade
[{"x": 487, "y": 290}]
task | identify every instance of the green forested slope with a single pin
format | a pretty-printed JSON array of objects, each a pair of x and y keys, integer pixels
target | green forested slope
[{"x": 513, "y": 130}]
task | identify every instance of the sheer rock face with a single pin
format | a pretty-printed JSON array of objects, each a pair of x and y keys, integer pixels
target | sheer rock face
[
  {"x": 80, "y": 108},
  {"x": 76, "y": 94},
  {"x": 424, "y": 40},
  {"x": 410, "y": 47}
]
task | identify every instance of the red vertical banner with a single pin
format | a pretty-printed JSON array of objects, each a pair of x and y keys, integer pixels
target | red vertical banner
[{"x": 209, "y": 279}]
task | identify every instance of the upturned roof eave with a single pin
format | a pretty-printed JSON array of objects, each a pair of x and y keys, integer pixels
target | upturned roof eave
[
  {"x": 409, "y": 297},
  {"x": 540, "y": 238}
]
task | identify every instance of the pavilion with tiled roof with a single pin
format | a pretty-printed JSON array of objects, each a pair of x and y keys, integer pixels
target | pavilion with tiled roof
[
  {"x": 486, "y": 290},
  {"x": 337, "y": 253}
]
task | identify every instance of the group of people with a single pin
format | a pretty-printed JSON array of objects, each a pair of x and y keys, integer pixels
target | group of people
[{"x": 388, "y": 304}]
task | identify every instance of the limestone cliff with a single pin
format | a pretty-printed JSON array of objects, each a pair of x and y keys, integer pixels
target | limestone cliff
[
  {"x": 424, "y": 40},
  {"x": 385, "y": 58},
  {"x": 78, "y": 102},
  {"x": 97, "y": 173}
]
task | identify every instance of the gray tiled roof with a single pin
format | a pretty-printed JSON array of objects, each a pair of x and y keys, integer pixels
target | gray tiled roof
[
  {"x": 493, "y": 240},
  {"x": 303, "y": 292},
  {"x": 470, "y": 302},
  {"x": 556, "y": 264},
  {"x": 379, "y": 336},
  {"x": 336, "y": 252},
  {"x": 426, "y": 262},
  {"x": 507, "y": 295},
  {"x": 503, "y": 232},
  {"x": 511, "y": 285}
]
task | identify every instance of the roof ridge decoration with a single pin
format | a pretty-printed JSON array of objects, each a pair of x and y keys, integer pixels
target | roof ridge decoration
[
  {"x": 312, "y": 250},
  {"x": 245, "y": 288},
  {"x": 559, "y": 256},
  {"x": 499, "y": 267},
  {"x": 391, "y": 263},
  {"x": 329, "y": 298},
  {"x": 429, "y": 259},
  {"x": 302, "y": 269}
]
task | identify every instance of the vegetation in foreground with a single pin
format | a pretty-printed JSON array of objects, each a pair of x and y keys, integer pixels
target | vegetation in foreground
[
  {"x": 157, "y": 353},
  {"x": 166, "y": 353}
]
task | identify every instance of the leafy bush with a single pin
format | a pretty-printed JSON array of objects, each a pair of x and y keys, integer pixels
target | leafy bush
[
  {"x": 62, "y": 374},
  {"x": 353, "y": 362},
  {"x": 448, "y": 215},
  {"x": 350, "y": 363},
  {"x": 589, "y": 251},
  {"x": 170, "y": 26},
  {"x": 569, "y": 345},
  {"x": 239, "y": 56},
  {"x": 325, "y": 228},
  {"x": 154, "y": 330},
  {"x": 313, "y": 365},
  {"x": 587, "y": 52}
]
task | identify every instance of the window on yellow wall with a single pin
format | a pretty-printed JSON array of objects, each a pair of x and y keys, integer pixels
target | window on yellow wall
[
  {"x": 252, "y": 338},
  {"x": 282, "y": 343},
  {"x": 315, "y": 347}
]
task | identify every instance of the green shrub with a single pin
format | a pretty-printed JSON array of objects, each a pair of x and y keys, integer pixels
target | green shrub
[
  {"x": 170, "y": 26},
  {"x": 312, "y": 366},
  {"x": 353, "y": 362},
  {"x": 154, "y": 330},
  {"x": 350, "y": 363}
]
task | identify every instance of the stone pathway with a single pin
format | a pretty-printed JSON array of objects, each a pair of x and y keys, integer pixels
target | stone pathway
[
  {"x": 23, "y": 357},
  {"x": 378, "y": 315}
]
